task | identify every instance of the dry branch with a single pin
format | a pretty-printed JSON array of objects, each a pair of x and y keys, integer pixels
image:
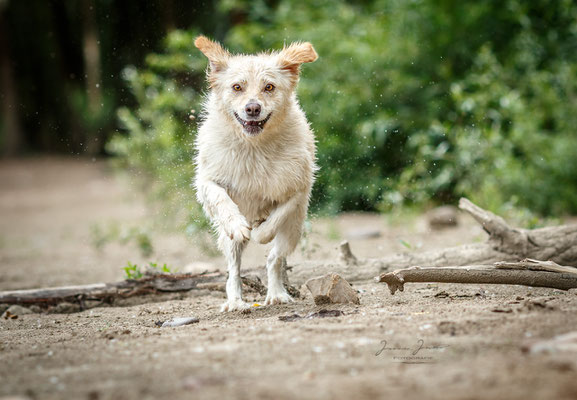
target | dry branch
[
  {"x": 514, "y": 274},
  {"x": 557, "y": 243}
]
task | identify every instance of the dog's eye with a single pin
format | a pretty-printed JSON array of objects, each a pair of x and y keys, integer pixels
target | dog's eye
[
  {"x": 237, "y": 87},
  {"x": 269, "y": 87}
]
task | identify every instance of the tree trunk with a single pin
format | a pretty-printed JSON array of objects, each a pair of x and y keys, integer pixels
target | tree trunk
[
  {"x": 91, "y": 56},
  {"x": 12, "y": 141}
]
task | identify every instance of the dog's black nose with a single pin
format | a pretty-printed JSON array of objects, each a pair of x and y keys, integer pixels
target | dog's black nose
[{"x": 252, "y": 109}]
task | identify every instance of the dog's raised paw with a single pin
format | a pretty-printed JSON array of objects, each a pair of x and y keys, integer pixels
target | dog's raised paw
[
  {"x": 278, "y": 298},
  {"x": 238, "y": 230},
  {"x": 262, "y": 234},
  {"x": 234, "y": 305}
]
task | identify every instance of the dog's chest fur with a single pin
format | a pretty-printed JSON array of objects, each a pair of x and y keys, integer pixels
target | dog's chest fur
[{"x": 257, "y": 174}]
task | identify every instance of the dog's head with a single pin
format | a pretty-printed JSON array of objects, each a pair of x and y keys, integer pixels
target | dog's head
[{"x": 252, "y": 89}]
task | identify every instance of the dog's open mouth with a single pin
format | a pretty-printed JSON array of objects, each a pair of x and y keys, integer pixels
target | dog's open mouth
[{"x": 253, "y": 128}]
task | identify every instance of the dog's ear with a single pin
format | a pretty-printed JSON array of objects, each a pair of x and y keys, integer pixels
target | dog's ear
[
  {"x": 291, "y": 57},
  {"x": 216, "y": 54}
]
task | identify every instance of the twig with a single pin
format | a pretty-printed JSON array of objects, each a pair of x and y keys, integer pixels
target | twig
[{"x": 346, "y": 255}]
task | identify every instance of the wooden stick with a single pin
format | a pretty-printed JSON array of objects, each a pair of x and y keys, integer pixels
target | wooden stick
[
  {"x": 536, "y": 265},
  {"x": 346, "y": 255},
  {"x": 478, "y": 274}
]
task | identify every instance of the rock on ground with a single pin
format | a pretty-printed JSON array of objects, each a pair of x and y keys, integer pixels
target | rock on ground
[
  {"x": 331, "y": 288},
  {"x": 16, "y": 310},
  {"x": 444, "y": 216}
]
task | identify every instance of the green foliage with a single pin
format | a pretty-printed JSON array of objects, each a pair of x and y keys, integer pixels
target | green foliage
[
  {"x": 158, "y": 136},
  {"x": 411, "y": 102},
  {"x": 133, "y": 271},
  {"x": 509, "y": 140},
  {"x": 164, "y": 268}
]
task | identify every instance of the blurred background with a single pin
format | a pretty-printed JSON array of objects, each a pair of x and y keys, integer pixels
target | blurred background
[{"x": 414, "y": 104}]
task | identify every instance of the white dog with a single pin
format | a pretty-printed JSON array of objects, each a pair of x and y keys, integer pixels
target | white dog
[{"x": 255, "y": 158}]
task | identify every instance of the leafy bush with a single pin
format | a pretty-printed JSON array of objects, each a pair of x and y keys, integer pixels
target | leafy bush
[
  {"x": 159, "y": 143},
  {"x": 411, "y": 102}
]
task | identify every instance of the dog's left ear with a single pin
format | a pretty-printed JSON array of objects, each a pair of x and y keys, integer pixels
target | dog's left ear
[
  {"x": 215, "y": 53},
  {"x": 291, "y": 57}
]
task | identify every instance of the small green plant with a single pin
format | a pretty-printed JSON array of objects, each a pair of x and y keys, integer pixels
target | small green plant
[
  {"x": 165, "y": 268},
  {"x": 133, "y": 271},
  {"x": 406, "y": 244}
]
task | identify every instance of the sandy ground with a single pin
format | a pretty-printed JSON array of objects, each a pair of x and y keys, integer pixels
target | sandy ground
[{"x": 433, "y": 341}]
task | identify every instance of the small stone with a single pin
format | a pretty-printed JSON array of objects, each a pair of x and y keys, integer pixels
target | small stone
[
  {"x": 4, "y": 307},
  {"x": 290, "y": 317},
  {"x": 179, "y": 322},
  {"x": 442, "y": 217},
  {"x": 15, "y": 310},
  {"x": 331, "y": 288},
  {"x": 36, "y": 309},
  {"x": 326, "y": 313}
]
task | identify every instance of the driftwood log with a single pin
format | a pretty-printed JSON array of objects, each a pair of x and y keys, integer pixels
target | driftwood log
[
  {"x": 556, "y": 243},
  {"x": 107, "y": 293},
  {"x": 527, "y": 272}
]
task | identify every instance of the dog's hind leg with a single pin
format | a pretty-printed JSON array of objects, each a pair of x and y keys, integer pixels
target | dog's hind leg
[
  {"x": 284, "y": 243},
  {"x": 232, "y": 250}
]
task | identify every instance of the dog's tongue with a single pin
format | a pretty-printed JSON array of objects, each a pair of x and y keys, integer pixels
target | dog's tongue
[{"x": 253, "y": 123}]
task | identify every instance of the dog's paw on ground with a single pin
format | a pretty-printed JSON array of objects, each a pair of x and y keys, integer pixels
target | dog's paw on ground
[
  {"x": 234, "y": 305},
  {"x": 278, "y": 298}
]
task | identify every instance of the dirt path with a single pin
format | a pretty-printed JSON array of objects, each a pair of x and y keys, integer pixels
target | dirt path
[{"x": 472, "y": 336}]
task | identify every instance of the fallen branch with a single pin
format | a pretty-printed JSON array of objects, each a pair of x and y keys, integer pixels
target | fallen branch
[
  {"x": 536, "y": 265},
  {"x": 513, "y": 274},
  {"x": 505, "y": 244},
  {"x": 556, "y": 243},
  {"x": 109, "y": 292}
]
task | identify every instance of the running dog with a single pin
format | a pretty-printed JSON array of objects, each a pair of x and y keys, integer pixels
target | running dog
[{"x": 255, "y": 158}]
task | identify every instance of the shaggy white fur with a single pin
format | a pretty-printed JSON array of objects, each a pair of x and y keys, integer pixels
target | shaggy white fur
[{"x": 255, "y": 159}]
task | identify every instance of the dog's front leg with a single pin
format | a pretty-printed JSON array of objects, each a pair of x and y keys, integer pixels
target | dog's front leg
[
  {"x": 233, "y": 251},
  {"x": 222, "y": 210}
]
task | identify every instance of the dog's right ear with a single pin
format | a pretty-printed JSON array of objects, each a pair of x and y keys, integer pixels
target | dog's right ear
[
  {"x": 291, "y": 57},
  {"x": 216, "y": 54}
]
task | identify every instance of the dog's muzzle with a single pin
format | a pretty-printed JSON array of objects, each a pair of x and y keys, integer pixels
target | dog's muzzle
[{"x": 252, "y": 128}]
